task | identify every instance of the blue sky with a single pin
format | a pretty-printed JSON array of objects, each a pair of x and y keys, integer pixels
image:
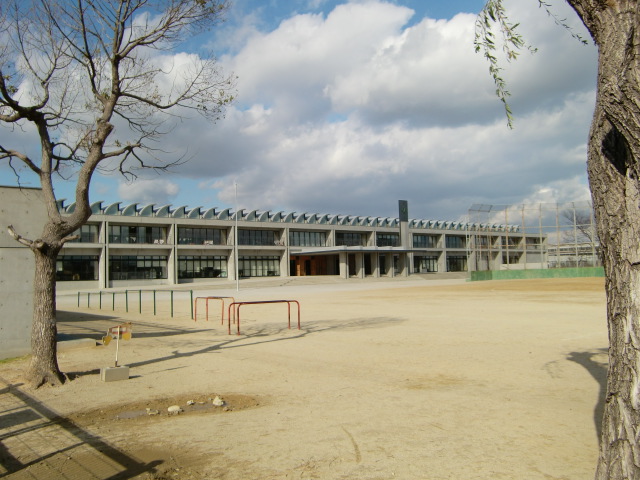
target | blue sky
[
  {"x": 272, "y": 12},
  {"x": 347, "y": 107}
]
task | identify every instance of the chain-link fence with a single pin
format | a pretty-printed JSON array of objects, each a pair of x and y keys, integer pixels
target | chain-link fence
[{"x": 542, "y": 235}]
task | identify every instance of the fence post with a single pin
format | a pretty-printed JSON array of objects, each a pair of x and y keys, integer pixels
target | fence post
[
  {"x": 113, "y": 301},
  {"x": 171, "y": 303},
  {"x": 78, "y": 299},
  {"x": 154, "y": 303},
  {"x": 126, "y": 301},
  {"x": 88, "y": 299},
  {"x": 100, "y": 299},
  {"x": 140, "y": 301},
  {"x": 191, "y": 304}
]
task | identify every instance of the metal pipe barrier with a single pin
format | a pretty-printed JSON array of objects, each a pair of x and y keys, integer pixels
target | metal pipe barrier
[
  {"x": 139, "y": 292},
  {"x": 237, "y": 306},
  {"x": 206, "y": 299}
]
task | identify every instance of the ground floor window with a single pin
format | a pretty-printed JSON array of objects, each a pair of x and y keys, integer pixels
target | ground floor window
[
  {"x": 483, "y": 262},
  {"x": 425, "y": 264},
  {"x": 193, "y": 266},
  {"x": 266, "y": 266},
  {"x": 511, "y": 258},
  {"x": 76, "y": 267},
  {"x": 131, "y": 267},
  {"x": 456, "y": 263}
]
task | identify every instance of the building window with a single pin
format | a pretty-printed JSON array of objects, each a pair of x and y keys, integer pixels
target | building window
[
  {"x": 201, "y": 236},
  {"x": 87, "y": 234},
  {"x": 425, "y": 264},
  {"x": 192, "y": 266},
  {"x": 350, "y": 239},
  {"x": 388, "y": 240},
  {"x": 455, "y": 241},
  {"x": 456, "y": 263},
  {"x": 144, "y": 267},
  {"x": 534, "y": 243},
  {"x": 76, "y": 267},
  {"x": 307, "y": 239},
  {"x": 268, "y": 266},
  {"x": 481, "y": 241},
  {"x": 425, "y": 241},
  {"x": 257, "y": 237},
  {"x": 137, "y": 234},
  {"x": 511, "y": 258},
  {"x": 510, "y": 241}
]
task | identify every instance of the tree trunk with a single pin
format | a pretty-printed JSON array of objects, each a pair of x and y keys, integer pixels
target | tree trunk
[
  {"x": 614, "y": 148},
  {"x": 43, "y": 368}
]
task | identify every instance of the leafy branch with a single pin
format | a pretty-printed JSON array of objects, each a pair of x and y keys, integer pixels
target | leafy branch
[
  {"x": 512, "y": 43},
  {"x": 493, "y": 18}
]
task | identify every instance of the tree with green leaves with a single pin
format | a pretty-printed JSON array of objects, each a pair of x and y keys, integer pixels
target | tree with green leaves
[
  {"x": 614, "y": 179},
  {"x": 84, "y": 79}
]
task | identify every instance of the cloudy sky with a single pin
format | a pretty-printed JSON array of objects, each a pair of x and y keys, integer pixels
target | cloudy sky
[{"x": 345, "y": 107}]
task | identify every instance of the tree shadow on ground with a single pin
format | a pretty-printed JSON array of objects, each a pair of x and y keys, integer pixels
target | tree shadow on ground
[
  {"x": 593, "y": 363},
  {"x": 74, "y": 326},
  {"x": 36, "y": 440},
  {"x": 256, "y": 335}
]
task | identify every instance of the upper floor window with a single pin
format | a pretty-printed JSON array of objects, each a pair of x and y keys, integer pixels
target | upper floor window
[
  {"x": 534, "y": 243},
  {"x": 350, "y": 239},
  {"x": 510, "y": 241},
  {"x": 137, "y": 234},
  {"x": 425, "y": 241},
  {"x": 388, "y": 240},
  {"x": 87, "y": 234},
  {"x": 455, "y": 241},
  {"x": 201, "y": 236},
  {"x": 307, "y": 239},
  {"x": 256, "y": 237}
]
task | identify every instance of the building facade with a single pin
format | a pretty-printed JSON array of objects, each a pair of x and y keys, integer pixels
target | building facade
[{"x": 126, "y": 245}]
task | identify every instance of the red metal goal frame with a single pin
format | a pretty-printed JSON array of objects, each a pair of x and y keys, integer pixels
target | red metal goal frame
[
  {"x": 237, "y": 306},
  {"x": 206, "y": 299}
]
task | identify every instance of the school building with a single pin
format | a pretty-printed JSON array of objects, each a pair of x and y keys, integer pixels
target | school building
[{"x": 141, "y": 245}]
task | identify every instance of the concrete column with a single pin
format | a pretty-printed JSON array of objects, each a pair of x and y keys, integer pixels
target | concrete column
[
  {"x": 404, "y": 264},
  {"x": 343, "y": 258},
  {"x": 360, "y": 265},
  {"x": 284, "y": 263},
  {"x": 375, "y": 265}
]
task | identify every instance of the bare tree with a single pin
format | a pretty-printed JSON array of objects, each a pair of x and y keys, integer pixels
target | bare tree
[
  {"x": 80, "y": 77},
  {"x": 614, "y": 178},
  {"x": 579, "y": 226}
]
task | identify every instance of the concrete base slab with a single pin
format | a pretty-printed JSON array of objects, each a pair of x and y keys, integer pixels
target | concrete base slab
[{"x": 113, "y": 374}]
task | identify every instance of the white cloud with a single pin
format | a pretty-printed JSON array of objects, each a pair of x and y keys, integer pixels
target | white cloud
[
  {"x": 160, "y": 191},
  {"x": 349, "y": 112}
]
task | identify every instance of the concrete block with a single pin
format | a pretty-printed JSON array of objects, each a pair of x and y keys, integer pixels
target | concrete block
[{"x": 113, "y": 374}]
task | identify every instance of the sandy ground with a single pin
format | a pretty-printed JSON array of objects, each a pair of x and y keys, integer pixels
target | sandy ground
[{"x": 407, "y": 379}]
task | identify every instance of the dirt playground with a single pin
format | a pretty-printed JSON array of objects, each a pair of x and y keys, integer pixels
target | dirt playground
[{"x": 394, "y": 379}]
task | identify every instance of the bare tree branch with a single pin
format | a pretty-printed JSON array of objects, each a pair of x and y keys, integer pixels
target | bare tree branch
[{"x": 19, "y": 238}]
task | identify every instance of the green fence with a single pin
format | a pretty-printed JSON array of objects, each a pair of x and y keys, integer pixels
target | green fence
[
  {"x": 134, "y": 300},
  {"x": 538, "y": 273}
]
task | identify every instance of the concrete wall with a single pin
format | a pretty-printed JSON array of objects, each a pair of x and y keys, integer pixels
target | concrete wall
[{"x": 24, "y": 209}]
